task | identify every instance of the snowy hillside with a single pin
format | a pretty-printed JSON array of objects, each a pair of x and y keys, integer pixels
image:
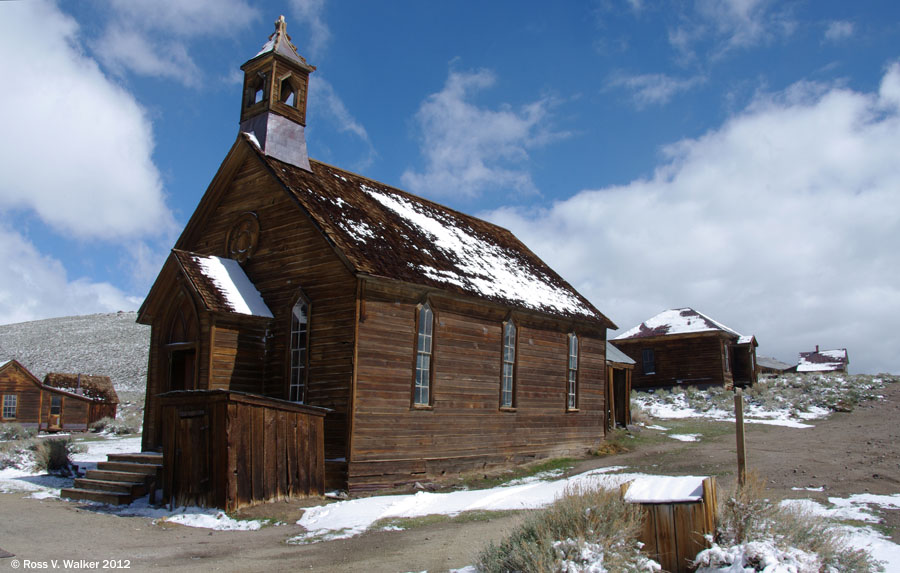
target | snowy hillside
[{"x": 111, "y": 345}]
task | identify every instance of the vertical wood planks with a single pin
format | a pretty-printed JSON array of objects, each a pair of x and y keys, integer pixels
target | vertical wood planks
[{"x": 232, "y": 450}]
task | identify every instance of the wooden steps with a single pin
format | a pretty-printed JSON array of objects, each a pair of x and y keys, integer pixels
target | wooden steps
[{"x": 118, "y": 481}]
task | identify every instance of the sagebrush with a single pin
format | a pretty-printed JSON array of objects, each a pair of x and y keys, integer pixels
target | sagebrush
[{"x": 584, "y": 520}]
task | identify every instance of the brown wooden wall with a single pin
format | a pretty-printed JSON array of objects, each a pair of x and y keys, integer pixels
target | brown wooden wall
[
  {"x": 682, "y": 360},
  {"x": 291, "y": 256},
  {"x": 395, "y": 443},
  {"x": 15, "y": 380},
  {"x": 74, "y": 415},
  {"x": 232, "y": 450}
]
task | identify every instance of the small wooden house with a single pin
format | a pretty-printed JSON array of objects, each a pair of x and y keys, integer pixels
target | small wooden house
[
  {"x": 768, "y": 365},
  {"x": 685, "y": 347},
  {"x": 20, "y": 395},
  {"x": 619, "y": 369},
  {"x": 433, "y": 342},
  {"x": 75, "y": 401},
  {"x": 824, "y": 361}
]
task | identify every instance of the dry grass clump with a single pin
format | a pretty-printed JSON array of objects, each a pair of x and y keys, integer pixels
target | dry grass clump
[
  {"x": 123, "y": 425},
  {"x": 747, "y": 516},
  {"x": 13, "y": 431},
  {"x": 584, "y": 520},
  {"x": 613, "y": 444},
  {"x": 52, "y": 455}
]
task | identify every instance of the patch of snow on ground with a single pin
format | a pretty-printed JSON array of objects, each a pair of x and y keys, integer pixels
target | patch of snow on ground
[
  {"x": 675, "y": 407},
  {"x": 685, "y": 437},
  {"x": 757, "y": 556},
  {"x": 349, "y": 518}
]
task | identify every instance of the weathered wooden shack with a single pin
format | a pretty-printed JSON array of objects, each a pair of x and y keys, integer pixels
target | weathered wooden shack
[
  {"x": 684, "y": 347},
  {"x": 824, "y": 361},
  {"x": 619, "y": 369},
  {"x": 20, "y": 395},
  {"x": 437, "y": 342},
  {"x": 75, "y": 401}
]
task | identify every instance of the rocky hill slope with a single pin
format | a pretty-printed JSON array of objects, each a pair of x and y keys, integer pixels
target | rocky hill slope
[{"x": 111, "y": 345}]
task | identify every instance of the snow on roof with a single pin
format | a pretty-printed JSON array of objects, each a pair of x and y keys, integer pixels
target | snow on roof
[
  {"x": 4, "y": 363},
  {"x": 675, "y": 321},
  {"x": 823, "y": 360},
  {"x": 385, "y": 232},
  {"x": 223, "y": 284},
  {"x": 665, "y": 489},
  {"x": 613, "y": 354}
]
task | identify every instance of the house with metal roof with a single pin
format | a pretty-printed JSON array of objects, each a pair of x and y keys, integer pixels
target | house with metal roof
[
  {"x": 824, "y": 361},
  {"x": 430, "y": 341},
  {"x": 685, "y": 347}
]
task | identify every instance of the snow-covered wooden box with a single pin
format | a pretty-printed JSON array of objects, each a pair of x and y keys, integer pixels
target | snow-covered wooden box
[{"x": 678, "y": 513}]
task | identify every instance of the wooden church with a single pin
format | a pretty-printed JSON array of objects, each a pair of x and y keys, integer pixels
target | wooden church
[{"x": 312, "y": 320}]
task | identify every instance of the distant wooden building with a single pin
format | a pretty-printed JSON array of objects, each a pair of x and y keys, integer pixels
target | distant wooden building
[
  {"x": 69, "y": 402},
  {"x": 619, "y": 370},
  {"x": 20, "y": 395},
  {"x": 684, "y": 347},
  {"x": 75, "y": 401},
  {"x": 437, "y": 342},
  {"x": 824, "y": 361},
  {"x": 767, "y": 365}
]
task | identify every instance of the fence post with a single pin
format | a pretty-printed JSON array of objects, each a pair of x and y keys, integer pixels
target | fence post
[{"x": 739, "y": 431}]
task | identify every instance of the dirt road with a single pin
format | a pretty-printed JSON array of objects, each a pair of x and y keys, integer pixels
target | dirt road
[{"x": 849, "y": 453}]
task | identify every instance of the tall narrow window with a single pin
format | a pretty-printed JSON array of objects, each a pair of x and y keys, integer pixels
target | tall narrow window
[
  {"x": 572, "y": 402},
  {"x": 55, "y": 405},
  {"x": 299, "y": 345},
  {"x": 287, "y": 92},
  {"x": 648, "y": 361},
  {"x": 10, "y": 401},
  {"x": 725, "y": 357},
  {"x": 507, "y": 382},
  {"x": 422, "y": 392}
]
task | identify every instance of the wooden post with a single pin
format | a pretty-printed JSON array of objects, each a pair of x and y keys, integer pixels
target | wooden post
[{"x": 739, "y": 430}]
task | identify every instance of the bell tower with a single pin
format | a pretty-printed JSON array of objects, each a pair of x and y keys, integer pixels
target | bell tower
[{"x": 273, "y": 106}]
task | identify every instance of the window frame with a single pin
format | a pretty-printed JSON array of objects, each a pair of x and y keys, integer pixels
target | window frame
[
  {"x": 645, "y": 352},
  {"x": 15, "y": 406},
  {"x": 512, "y": 364},
  {"x": 423, "y": 310},
  {"x": 303, "y": 384},
  {"x": 572, "y": 372},
  {"x": 725, "y": 358},
  {"x": 58, "y": 398}
]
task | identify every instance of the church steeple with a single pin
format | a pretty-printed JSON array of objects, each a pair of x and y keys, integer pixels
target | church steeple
[{"x": 273, "y": 106}]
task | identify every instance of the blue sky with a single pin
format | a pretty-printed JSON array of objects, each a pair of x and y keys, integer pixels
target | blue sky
[{"x": 740, "y": 157}]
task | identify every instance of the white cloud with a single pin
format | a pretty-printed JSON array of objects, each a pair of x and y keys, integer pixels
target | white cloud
[
  {"x": 654, "y": 89},
  {"x": 325, "y": 102},
  {"x": 35, "y": 286},
  {"x": 468, "y": 148},
  {"x": 729, "y": 24},
  {"x": 153, "y": 38},
  {"x": 77, "y": 151},
  {"x": 839, "y": 30},
  {"x": 782, "y": 223},
  {"x": 311, "y": 13}
]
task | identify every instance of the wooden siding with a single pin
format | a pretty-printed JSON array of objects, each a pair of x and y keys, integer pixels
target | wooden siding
[
  {"x": 232, "y": 450},
  {"x": 291, "y": 256},
  {"x": 682, "y": 360},
  {"x": 15, "y": 379},
  {"x": 465, "y": 429}
]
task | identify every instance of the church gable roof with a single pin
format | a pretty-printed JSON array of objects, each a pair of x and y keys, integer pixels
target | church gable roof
[
  {"x": 386, "y": 232},
  {"x": 222, "y": 284}
]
